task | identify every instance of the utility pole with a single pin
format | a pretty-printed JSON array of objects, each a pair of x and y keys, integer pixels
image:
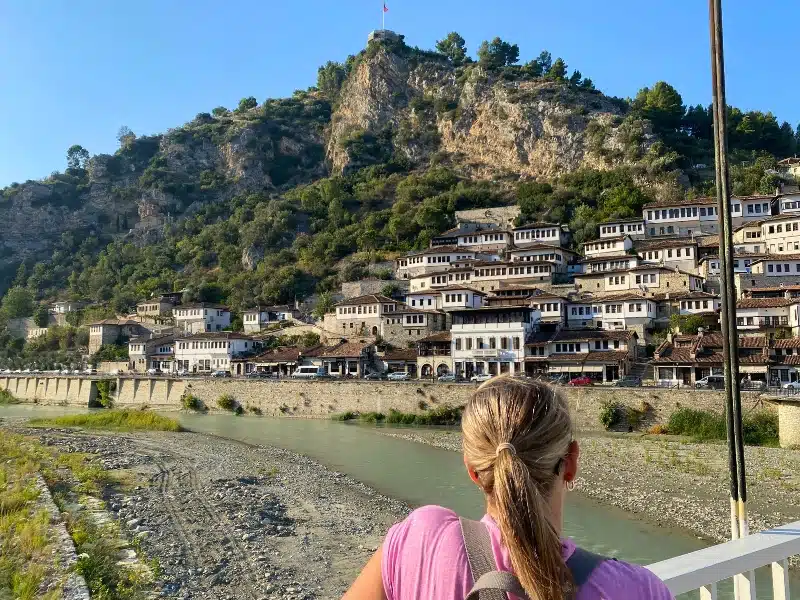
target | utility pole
[{"x": 733, "y": 401}]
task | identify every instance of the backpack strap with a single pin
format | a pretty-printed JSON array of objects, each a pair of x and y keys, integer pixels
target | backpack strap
[{"x": 492, "y": 584}]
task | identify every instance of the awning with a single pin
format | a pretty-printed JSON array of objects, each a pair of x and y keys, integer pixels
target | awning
[
  {"x": 753, "y": 368},
  {"x": 565, "y": 369},
  {"x": 591, "y": 368}
]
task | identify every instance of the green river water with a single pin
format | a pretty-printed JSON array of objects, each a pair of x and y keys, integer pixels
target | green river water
[{"x": 419, "y": 474}]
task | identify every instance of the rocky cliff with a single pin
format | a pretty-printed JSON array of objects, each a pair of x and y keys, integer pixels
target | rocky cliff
[
  {"x": 490, "y": 124},
  {"x": 395, "y": 103}
]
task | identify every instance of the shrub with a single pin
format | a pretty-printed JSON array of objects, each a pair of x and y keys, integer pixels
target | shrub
[
  {"x": 255, "y": 410},
  {"x": 7, "y": 398},
  {"x": 345, "y": 416},
  {"x": 422, "y": 405},
  {"x": 372, "y": 417},
  {"x": 191, "y": 402},
  {"x": 658, "y": 430},
  {"x": 125, "y": 420},
  {"x": 760, "y": 428},
  {"x": 699, "y": 424},
  {"x": 609, "y": 414},
  {"x": 227, "y": 402},
  {"x": 633, "y": 416}
]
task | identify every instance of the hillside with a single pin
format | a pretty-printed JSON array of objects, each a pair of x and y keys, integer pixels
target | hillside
[{"x": 263, "y": 203}]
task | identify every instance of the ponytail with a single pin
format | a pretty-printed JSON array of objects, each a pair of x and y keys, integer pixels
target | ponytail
[
  {"x": 527, "y": 531},
  {"x": 518, "y": 481}
]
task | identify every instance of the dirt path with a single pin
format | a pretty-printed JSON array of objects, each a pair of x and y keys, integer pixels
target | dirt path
[{"x": 226, "y": 520}]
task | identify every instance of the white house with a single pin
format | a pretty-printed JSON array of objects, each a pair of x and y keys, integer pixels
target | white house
[
  {"x": 767, "y": 313},
  {"x": 541, "y": 233},
  {"x": 603, "y": 356},
  {"x": 491, "y": 339},
  {"x": 747, "y": 237},
  {"x": 152, "y": 352},
  {"x": 429, "y": 300},
  {"x": 627, "y": 311},
  {"x": 256, "y": 319},
  {"x": 206, "y": 352},
  {"x": 560, "y": 257},
  {"x": 551, "y": 307},
  {"x": 501, "y": 271},
  {"x": 789, "y": 203},
  {"x": 460, "y": 297},
  {"x": 678, "y": 253},
  {"x": 201, "y": 317},
  {"x": 611, "y": 262},
  {"x": 435, "y": 260},
  {"x": 681, "y": 217},
  {"x": 608, "y": 246},
  {"x": 777, "y": 266},
  {"x": 362, "y": 315},
  {"x": 645, "y": 278},
  {"x": 781, "y": 234},
  {"x": 632, "y": 227}
]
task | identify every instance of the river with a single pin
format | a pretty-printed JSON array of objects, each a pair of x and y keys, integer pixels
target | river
[{"x": 419, "y": 474}]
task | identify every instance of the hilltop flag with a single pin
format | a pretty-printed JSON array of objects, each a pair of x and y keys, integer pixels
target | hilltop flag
[{"x": 385, "y": 8}]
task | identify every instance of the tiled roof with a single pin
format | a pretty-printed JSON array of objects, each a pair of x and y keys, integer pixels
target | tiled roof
[
  {"x": 616, "y": 238},
  {"x": 752, "y": 341},
  {"x": 707, "y": 241},
  {"x": 216, "y": 335},
  {"x": 283, "y": 354},
  {"x": 592, "y": 334},
  {"x": 792, "y": 360},
  {"x": 442, "y": 336},
  {"x": 606, "y": 356},
  {"x": 522, "y": 247},
  {"x": 683, "y": 202},
  {"x": 755, "y": 359},
  {"x": 657, "y": 244},
  {"x": 203, "y": 305},
  {"x": 537, "y": 226},
  {"x": 616, "y": 221},
  {"x": 118, "y": 322},
  {"x": 788, "y": 343},
  {"x": 367, "y": 299},
  {"x": 453, "y": 287},
  {"x": 777, "y": 257},
  {"x": 615, "y": 256},
  {"x": 345, "y": 350},
  {"x": 775, "y": 288},
  {"x": 766, "y": 302},
  {"x": 403, "y": 354}
]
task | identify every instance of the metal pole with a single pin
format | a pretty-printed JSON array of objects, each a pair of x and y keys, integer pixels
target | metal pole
[{"x": 739, "y": 524}]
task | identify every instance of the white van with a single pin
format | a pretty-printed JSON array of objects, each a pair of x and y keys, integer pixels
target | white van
[{"x": 309, "y": 372}]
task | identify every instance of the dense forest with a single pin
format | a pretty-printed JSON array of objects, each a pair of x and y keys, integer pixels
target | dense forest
[{"x": 301, "y": 227}]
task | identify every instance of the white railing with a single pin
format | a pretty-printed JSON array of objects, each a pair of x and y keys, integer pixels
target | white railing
[{"x": 704, "y": 569}]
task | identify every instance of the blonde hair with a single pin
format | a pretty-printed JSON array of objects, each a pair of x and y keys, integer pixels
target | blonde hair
[{"x": 535, "y": 420}]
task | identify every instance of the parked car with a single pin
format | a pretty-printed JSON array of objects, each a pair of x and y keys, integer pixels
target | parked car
[
  {"x": 791, "y": 386},
  {"x": 398, "y": 376},
  {"x": 448, "y": 378},
  {"x": 65, "y": 371},
  {"x": 309, "y": 372},
  {"x": 754, "y": 385},
  {"x": 375, "y": 376},
  {"x": 480, "y": 377},
  {"x": 220, "y": 373},
  {"x": 115, "y": 373},
  {"x": 76, "y": 372},
  {"x": 580, "y": 381},
  {"x": 628, "y": 381},
  {"x": 562, "y": 379},
  {"x": 153, "y": 371},
  {"x": 710, "y": 382},
  {"x": 90, "y": 371}
]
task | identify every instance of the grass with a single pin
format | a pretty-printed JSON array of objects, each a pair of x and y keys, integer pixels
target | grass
[
  {"x": 25, "y": 541},
  {"x": 7, "y": 398},
  {"x": 759, "y": 428},
  {"x": 441, "y": 415},
  {"x": 117, "y": 420}
]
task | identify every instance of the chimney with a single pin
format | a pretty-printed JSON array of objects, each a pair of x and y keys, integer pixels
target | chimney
[
  {"x": 669, "y": 336},
  {"x": 787, "y": 294},
  {"x": 700, "y": 332}
]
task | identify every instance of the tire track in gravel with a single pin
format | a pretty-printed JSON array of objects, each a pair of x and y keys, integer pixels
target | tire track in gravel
[{"x": 248, "y": 587}]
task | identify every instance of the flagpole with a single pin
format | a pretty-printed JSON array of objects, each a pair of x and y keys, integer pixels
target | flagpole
[{"x": 383, "y": 17}]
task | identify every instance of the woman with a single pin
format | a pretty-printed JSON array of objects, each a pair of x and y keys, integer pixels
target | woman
[{"x": 518, "y": 449}]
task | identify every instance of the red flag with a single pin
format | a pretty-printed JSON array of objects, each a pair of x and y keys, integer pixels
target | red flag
[{"x": 385, "y": 8}]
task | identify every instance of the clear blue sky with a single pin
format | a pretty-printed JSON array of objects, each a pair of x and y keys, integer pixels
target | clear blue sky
[{"x": 74, "y": 72}]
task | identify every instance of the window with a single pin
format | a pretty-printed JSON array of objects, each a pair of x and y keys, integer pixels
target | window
[
  {"x": 517, "y": 343},
  {"x": 702, "y": 212},
  {"x": 458, "y": 343},
  {"x": 492, "y": 343},
  {"x": 469, "y": 343}
]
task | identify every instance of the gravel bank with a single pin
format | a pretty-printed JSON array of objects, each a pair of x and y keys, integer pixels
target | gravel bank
[
  {"x": 226, "y": 520},
  {"x": 674, "y": 483}
]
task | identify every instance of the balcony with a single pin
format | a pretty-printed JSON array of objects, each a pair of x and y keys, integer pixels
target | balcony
[
  {"x": 759, "y": 322},
  {"x": 705, "y": 569},
  {"x": 435, "y": 352},
  {"x": 486, "y": 353}
]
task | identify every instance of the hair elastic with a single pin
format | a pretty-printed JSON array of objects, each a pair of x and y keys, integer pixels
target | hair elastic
[{"x": 505, "y": 446}]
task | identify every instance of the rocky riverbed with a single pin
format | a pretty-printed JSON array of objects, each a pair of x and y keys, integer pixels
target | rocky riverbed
[
  {"x": 226, "y": 520},
  {"x": 674, "y": 483}
]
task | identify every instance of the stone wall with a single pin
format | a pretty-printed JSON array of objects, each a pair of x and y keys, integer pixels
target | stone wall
[
  {"x": 321, "y": 399},
  {"x": 354, "y": 289}
]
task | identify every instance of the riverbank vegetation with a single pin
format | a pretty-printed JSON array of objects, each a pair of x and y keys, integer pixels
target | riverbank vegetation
[
  {"x": 117, "y": 420},
  {"x": 760, "y": 428},
  {"x": 7, "y": 397},
  {"x": 441, "y": 415},
  {"x": 27, "y": 541}
]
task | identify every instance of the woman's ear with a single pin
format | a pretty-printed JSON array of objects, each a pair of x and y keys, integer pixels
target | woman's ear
[
  {"x": 472, "y": 474},
  {"x": 571, "y": 461}
]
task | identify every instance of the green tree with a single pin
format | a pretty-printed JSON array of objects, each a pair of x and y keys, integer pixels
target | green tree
[
  {"x": 220, "y": 111},
  {"x": 533, "y": 199},
  {"x": 497, "y": 53},
  {"x": 125, "y": 137},
  {"x": 41, "y": 316},
  {"x": 17, "y": 303},
  {"x": 330, "y": 78},
  {"x": 662, "y": 105},
  {"x": 324, "y": 305},
  {"x": 453, "y": 47},
  {"x": 246, "y": 104},
  {"x": 77, "y": 157},
  {"x": 545, "y": 61},
  {"x": 558, "y": 71}
]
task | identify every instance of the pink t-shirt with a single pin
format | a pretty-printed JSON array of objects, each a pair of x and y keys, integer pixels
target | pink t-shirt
[{"x": 424, "y": 557}]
